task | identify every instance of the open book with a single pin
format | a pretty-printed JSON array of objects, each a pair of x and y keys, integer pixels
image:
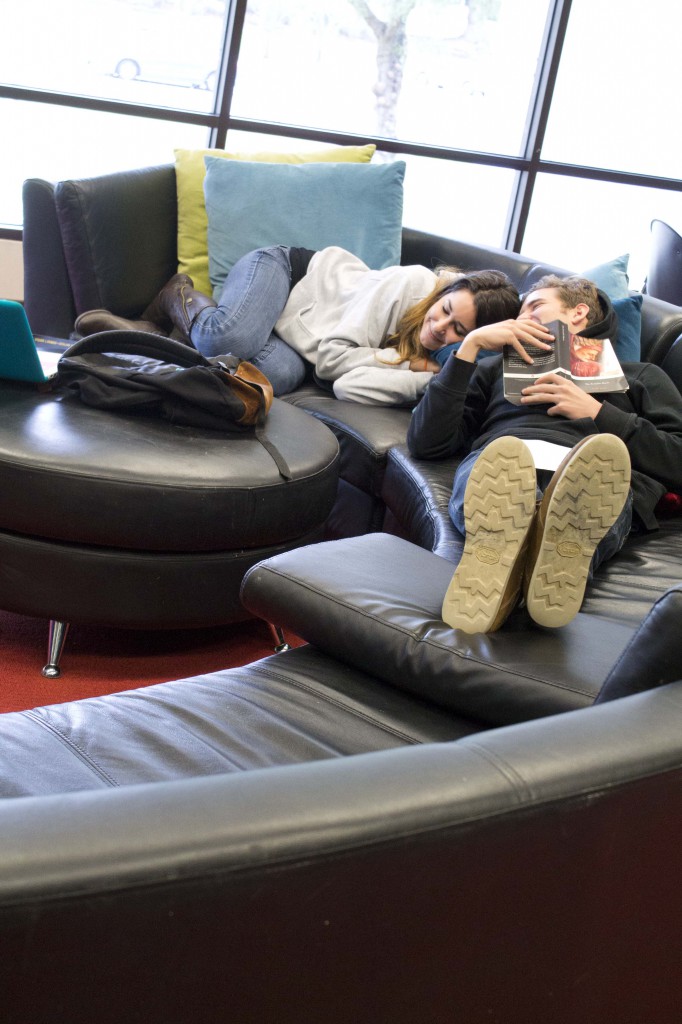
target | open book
[{"x": 591, "y": 363}]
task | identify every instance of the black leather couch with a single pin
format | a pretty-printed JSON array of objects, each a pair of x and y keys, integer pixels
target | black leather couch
[
  {"x": 300, "y": 840},
  {"x": 110, "y": 242},
  {"x": 394, "y": 822}
]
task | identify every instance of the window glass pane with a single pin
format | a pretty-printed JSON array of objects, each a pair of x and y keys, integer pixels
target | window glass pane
[
  {"x": 321, "y": 64},
  {"x": 156, "y": 52},
  {"x": 618, "y": 88},
  {"x": 577, "y": 223},
  {"x": 456, "y": 200},
  {"x": 60, "y": 142}
]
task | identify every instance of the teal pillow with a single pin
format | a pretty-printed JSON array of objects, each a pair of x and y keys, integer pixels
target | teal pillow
[
  {"x": 629, "y": 341},
  {"x": 611, "y": 277},
  {"x": 252, "y": 204}
]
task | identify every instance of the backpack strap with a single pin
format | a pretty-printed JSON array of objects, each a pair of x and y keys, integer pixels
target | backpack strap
[
  {"x": 274, "y": 452},
  {"x": 141, "y": 343}
]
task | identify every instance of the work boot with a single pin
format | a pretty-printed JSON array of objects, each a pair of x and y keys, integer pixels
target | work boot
[
  {"x": 96, "y": 320},
  {"x": 499, "y": 505},
  {"x": 582, "y": 502},
  {"x": 177, "y": 305}
]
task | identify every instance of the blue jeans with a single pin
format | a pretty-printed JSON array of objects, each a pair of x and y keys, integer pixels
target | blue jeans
[
  {"x": 607, "y": 547},
  {"x": 251, "y": 302}
]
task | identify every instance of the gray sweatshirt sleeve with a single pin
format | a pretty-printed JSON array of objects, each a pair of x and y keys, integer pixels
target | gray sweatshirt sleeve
[{"x": 381, "y": 385}]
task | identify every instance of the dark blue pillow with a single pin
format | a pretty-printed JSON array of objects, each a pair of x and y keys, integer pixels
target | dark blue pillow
[{"x": 628, "y": 344}]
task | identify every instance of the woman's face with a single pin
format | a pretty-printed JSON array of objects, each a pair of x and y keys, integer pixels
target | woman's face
[{"x": 448, "y": 320}]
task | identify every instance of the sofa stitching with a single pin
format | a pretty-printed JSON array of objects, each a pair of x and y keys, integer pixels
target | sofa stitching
[
  {"x": 73, "y": 747},
  {"x": 502, "y": 766}
]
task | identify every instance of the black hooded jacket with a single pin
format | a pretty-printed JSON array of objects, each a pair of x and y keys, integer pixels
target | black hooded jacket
[
  {"x": 607, "y": 327},
  {"x": 464, "y": 408}
]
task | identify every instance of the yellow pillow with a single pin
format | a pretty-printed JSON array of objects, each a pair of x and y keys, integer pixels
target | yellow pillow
[{"x": 192, "y": 221}]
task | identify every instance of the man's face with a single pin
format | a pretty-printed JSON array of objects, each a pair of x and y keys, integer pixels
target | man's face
[{"x": 543, "y": 305}]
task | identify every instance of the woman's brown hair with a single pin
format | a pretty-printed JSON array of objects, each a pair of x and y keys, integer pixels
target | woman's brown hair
[{"x": 495, "y": 299}]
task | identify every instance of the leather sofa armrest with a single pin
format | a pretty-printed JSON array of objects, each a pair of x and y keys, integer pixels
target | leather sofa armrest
[
  {"x": 661, "y": 327},
  {"x": 119, "y": 233},
  {"x": 335, "y": 872},
  {"x": 416, "y": 493},
  {"x": 48, "y": 298},
  {"x": 654, "y": 655},
  {"x": 672, "y": 364}
]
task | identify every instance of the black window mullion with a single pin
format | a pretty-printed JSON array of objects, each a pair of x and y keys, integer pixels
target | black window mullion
[
  {"x": 536, "y": 123},
  {"x": 234, "y": 27}
]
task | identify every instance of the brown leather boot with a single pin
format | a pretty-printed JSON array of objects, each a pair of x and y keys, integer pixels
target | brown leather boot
[
  {"x": 178, "y": 304},
  {"x": 499, "y": 506},
  {"x": 581, "y": 503},
  {"x": 96, "y": 320}
]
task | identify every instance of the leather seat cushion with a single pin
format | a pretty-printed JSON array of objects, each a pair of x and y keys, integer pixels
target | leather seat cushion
[
  {"x": 374, "y": 603},
  {"x": 287, "y": 709},
  {"x": 365, "y": 433}
]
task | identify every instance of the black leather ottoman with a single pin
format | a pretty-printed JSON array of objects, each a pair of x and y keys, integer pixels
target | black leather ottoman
[{"x": 130, "y": 521}]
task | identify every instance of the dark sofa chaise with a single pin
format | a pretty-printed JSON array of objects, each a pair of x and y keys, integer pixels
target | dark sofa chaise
[{"x": 394, "y": 822}]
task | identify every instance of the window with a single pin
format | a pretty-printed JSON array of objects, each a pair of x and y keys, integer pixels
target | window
[
  {"x": 616, "y": 102},
  {"x": 149, "y": 52},
  {"x": 547, "y": 127},
  {"x": 578, "y": 223},
  {"x": 445, "y": 74}
]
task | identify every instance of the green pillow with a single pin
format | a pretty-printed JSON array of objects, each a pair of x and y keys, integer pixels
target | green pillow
[
  {"x": 192, "y": 222},
  {"x": 358, "y": 207}
]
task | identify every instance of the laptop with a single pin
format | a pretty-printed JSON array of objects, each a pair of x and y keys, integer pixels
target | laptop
[{"x": 20, "y": 357}]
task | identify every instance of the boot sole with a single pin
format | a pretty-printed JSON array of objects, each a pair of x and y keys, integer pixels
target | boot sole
[
  {"x": 499, "y": 504},
  {"x": 586, "y": 502}
]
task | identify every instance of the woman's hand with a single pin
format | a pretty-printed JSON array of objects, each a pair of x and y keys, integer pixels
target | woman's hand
[
  {"x": 419, "y": 364},
  {"x": 494, "y": 337},
  {"x": 564, "y": 397}
]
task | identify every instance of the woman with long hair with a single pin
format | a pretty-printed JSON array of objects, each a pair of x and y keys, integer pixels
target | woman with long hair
[{"x": 375, "y": 336}]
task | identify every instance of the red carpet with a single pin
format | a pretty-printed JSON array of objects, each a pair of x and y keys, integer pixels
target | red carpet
[{"x": 98, "y": 660}]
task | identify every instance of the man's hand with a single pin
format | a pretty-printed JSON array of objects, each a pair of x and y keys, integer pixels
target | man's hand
[
  {"x": 565, "y": 397},
  {"x": 494, "y": 337}
]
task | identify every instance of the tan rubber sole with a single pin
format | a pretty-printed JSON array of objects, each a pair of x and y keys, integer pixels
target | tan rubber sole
[
  {"x": 586, "y": 501},
  {"x": 499, "y": 504}
]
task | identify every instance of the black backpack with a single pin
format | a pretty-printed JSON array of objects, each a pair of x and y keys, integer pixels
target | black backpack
[{"x": 133, "y": 371}]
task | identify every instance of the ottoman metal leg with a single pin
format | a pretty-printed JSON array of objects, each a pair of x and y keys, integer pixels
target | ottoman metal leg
[
  {"x": 57, "y": 637},
  {"x": 281, "y": 644}
]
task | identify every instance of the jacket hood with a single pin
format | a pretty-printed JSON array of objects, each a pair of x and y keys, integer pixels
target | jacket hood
[{"x": 607, "y": 327}]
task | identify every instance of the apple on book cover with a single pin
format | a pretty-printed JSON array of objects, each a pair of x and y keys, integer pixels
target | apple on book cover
[{"x": 591, "y": 363}]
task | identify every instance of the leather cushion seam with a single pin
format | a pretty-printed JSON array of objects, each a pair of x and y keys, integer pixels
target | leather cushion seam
[{"x": 73, "y": 747}]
